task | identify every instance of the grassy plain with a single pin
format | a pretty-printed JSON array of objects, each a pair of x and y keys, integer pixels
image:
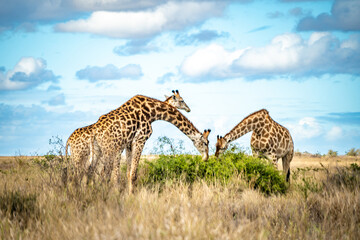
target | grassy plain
[{"x": 322, "y": 202}]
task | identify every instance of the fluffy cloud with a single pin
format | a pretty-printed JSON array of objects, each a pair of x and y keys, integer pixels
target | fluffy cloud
[
  {"x": 344, "y": 17},
  {"x": 138, "y": 46},
  {"x": 167, "y": 77},
  {"x": 110, "y": 72},
  {"x": 287, "y": 55},
  {"x": 146, "y": 23},
  {"x": 306, "y": 128},
  {"x": 25, "y": 13},
  {"x": 18, "y": 12},
  {"x": 334, "y": 134},
  {"x": 198, "y": 37},
  {"x": 27, "y": 73},
  {"x": 212, "y": 60},
  {"x": 57, "y": 100}
]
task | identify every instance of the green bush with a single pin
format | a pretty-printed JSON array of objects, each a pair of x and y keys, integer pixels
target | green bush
[
  {"x": 332, "y": 153},
  {"x": 353, "y": 152},
  {"x": 258, "y": 173}
]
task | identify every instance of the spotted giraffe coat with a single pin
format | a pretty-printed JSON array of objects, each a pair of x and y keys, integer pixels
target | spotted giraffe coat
[{"x": 269, "y": 139}]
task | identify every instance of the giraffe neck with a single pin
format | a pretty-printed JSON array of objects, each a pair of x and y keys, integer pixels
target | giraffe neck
[
  {"x": 253, "y": 122},
  {"x": 170, "y": 114},
  {"x": 149, "y": 109}
]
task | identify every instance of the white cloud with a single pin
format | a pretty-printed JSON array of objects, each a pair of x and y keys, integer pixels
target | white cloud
[
  {"x": 146, "y": 23},
  {"x": 287, "y": 54},
  {"x": 306, "y": 128},
  {"x": 212, "y": 60},
  {"x": 27, "y": 73},
  {"x": 110, "y": 72},
  {"x": 344, "y": 17},
  {"x": 57, "y": 100},
  {"x": 334, "y": 133}
]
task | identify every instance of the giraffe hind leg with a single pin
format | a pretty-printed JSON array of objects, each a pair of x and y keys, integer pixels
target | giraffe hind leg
[{"x": 286, "y": 165}]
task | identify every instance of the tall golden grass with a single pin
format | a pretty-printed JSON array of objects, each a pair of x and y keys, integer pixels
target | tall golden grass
[{"x": 322, "y": 203}]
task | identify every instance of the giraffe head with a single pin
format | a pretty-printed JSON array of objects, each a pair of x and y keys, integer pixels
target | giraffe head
[
  {"x": 221, "y": 145},
  {"x": 177, "y": 101},
  {"x": 202, "y": 144}
]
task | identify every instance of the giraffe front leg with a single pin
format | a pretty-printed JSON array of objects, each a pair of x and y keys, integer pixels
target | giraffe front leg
[
  {"x": 137, "y": 147},
  {"x": 117, "y": 171},
  {"x": 132, "y": 174},
  {"x": 128, "y": 160},
  {"x": 108, "y": 167},
  {"x": 273, "y": 158}
]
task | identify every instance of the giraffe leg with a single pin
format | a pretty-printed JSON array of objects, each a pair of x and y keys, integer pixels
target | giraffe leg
[
  {"x": 273, "y": 158},
  {"x": 128, "y": 160},
  {"x": 108, "y": 166},
  {"x": 80, "y": 169},
  {"x": 116, "y": 171},
  {"x": 286, "y": 164},
  {"x": 137, "y": 147},
  {"x": 95, "y": 161}
]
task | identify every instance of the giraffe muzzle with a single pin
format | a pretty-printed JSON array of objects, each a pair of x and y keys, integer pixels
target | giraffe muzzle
[{"x": 205, "y": 156}]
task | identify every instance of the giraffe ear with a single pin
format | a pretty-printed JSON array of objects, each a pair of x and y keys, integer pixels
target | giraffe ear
[{"x": 166, "y": 97}]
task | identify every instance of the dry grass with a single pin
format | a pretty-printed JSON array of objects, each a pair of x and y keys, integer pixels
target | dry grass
[
  {"x": 317, "y": 206},
  {"x": 308, "y": 161}
]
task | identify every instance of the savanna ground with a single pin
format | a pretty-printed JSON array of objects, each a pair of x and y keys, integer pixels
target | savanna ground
[{"x": 174, "y": 200}]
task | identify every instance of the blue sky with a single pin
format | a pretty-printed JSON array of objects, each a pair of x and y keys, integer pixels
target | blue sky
[{"x": 64, "y": 63}]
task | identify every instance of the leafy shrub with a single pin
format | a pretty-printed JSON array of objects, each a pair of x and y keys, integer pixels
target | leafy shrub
[
  {"x": 353, "y": 152},
  {"x": 332, "y": 153},
  {"x": 53, "y": 158},
  {"x": 19, "y": 206},
  {"x": 258, "y": 173}
]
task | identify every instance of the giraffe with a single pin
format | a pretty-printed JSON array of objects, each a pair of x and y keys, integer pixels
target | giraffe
[
  {"x": 269, "y": 139},
  {"x": 79, "y": 140},
  {"x": 129, "y": 127}
]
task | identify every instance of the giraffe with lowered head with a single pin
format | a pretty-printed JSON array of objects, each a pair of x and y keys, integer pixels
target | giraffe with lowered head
[
  {"x": 129, "y": 126},
  {"x": 269, "y": 139},
  {"x": 79, "y": 140}
]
